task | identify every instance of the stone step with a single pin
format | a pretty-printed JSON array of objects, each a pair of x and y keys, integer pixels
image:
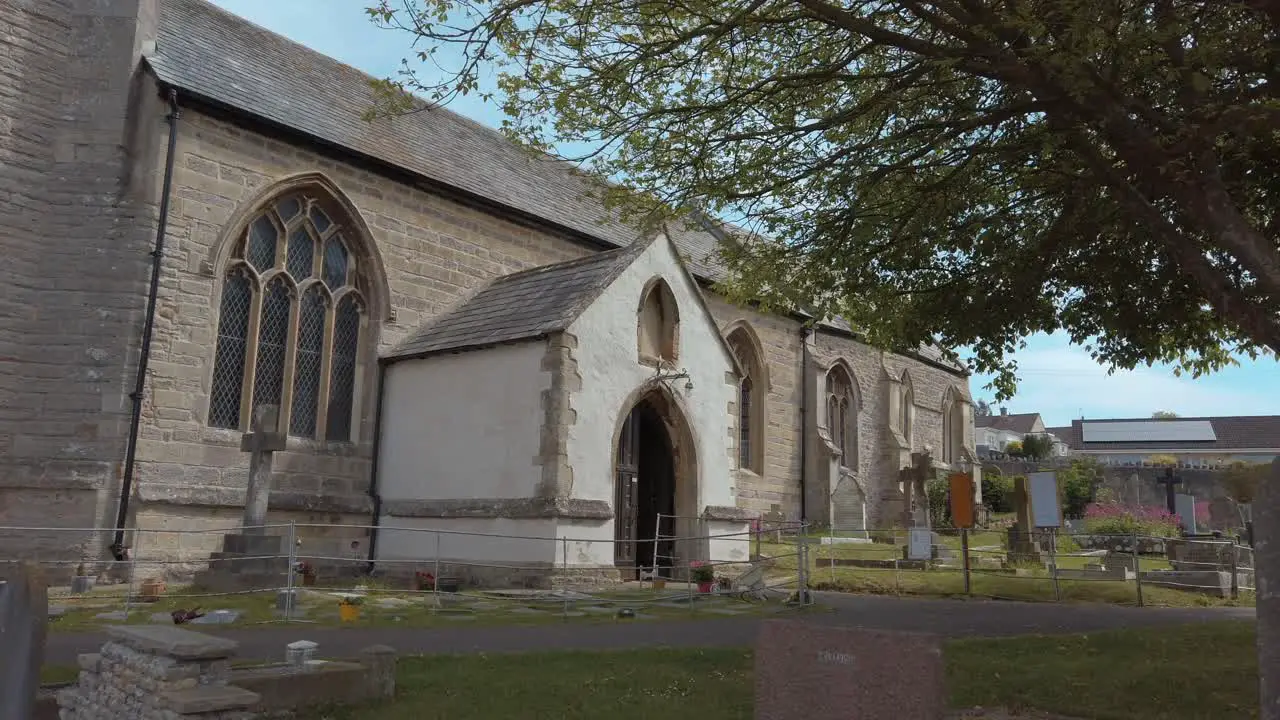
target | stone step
[{"x": 209, "y": 699}]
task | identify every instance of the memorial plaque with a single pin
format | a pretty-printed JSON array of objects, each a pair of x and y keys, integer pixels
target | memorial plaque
[
  {"x": 1046, "y": 508},
  {"x": 817, "y": 672},
  {"x": 920, "y": 544}
]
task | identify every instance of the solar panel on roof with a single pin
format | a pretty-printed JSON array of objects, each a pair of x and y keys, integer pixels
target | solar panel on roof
[{"x": 1149, "y": 431}]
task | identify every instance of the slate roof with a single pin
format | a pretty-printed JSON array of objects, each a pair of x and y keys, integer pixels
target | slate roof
[
  {"x": 521, "y": 306},
  {"x": 220, "y": 57},
  {"x": 1240, "y": 432},
  {"x": 1018, "y": 423}
]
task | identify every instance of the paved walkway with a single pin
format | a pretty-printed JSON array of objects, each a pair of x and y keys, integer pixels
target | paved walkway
[{"x": 951, "y": 618}]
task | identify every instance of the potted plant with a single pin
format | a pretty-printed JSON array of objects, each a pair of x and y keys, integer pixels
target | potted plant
[
  {"x": 703, "y": 574},
  {"x": 81, "y": 583},
  {"x": 349, "y": 608},
  {"x": 308, "y": 573}
]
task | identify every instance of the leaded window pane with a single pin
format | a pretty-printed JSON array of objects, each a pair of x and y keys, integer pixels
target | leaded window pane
[
  {"x": 306, "y": 377},
  {"x": 289, "y": 207},
  {"x": 261, "y": 252},
  {"x": 228, "y": 364},
  {"x": 319, "y": 219},
  {"x": 301, "y": 252},
  {"x": 335, "y": 263},
  {"x": 273, "y": 334},
  {"x": 342, "y": 377}
]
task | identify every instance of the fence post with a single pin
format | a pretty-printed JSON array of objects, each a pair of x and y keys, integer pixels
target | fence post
[
  {"x": 964, "y": 551},
  {"x": 1137, "y": 569},
  {"x": 1053, "y": 563},
  {"x": 293, "y": 559},
  {"x": 1235, "y": 571},
  {"x": 435, "y": 584},
  {"x": 133, "y": 567},
  {"x": 564, "y": 558}
]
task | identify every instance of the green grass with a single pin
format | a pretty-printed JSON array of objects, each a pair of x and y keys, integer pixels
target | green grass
[
  {"x": 1140, "y": 674},
  {"x": 256, "y": 608},
  {"x": 989, "y": 583},
  {"x": 1193, "y": 672}
]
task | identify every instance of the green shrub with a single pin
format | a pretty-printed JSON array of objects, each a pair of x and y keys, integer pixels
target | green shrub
[
  {"x": 939, "y": 492},
  {"x": 1079, "y": 483},
  {"x": 997, "y": 492}
]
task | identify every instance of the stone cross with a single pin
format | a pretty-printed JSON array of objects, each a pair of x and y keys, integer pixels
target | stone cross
[
  {"x": 1266, "y": 556},
  {"x": 24, "y": 612},
  {"x": 916, "y": 505},
  {"x": 1169, "y": 482},
  {"x": 261, "y": 444}
]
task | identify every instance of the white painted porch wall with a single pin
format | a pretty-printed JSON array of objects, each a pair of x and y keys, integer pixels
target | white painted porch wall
[
  {"x": 479, "y": 540},
  {"x": 463, "y": 426},
  {"x": 608, "y": 361}
]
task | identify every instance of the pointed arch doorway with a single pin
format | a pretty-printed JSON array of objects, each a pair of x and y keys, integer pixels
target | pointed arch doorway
[{"x": 654, "y": 476}]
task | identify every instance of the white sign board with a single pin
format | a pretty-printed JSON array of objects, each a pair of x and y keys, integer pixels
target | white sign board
[
  {"x": 920, "y": 544},
  {"x": 1186, "y": 507},
  {"x": 1045, "y": 509}
]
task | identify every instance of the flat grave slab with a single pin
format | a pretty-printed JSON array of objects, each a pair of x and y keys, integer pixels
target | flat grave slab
[{"x": 815, "y": 672}]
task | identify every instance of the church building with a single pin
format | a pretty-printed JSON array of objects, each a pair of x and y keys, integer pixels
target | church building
[{"x": 456, "y": 335}]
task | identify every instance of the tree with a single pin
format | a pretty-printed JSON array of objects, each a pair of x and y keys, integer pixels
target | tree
[
  {"x": 982, "y": 409},
  {"x": 1163, "y": 415},
  {"x": 1013, "y": 448},
  {"x": 896, "y": 162},
  {"x": 1036, "y": 447},
  {"x": 1080, "y": 482}
]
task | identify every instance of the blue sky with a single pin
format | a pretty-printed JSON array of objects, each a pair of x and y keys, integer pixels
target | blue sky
[{"x": 1059, "y": 381}]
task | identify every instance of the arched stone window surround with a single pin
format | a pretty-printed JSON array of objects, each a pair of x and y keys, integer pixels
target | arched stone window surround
[
  {"x": 360, "y": 299},
  {"x": 658, "y": 324},
  {"x": 907, "y": 408},
  {"x": 952, "y": 427},
  {"x": 843, "y": 406},
  {"x": 753, "y": 393}
]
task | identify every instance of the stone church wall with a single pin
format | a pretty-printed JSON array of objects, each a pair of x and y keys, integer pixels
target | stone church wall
[
  {"x": 436, "y": 252},
  {"x": 81, "y": 151},
  {"x": 76, "y": 225}
]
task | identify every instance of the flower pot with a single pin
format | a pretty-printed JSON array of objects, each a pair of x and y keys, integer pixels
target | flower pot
[
  {"x": 348, "y": 613},
  {"x": 447, "y": 584},
  {"x": 659, "y": 583},
  {"x": 705, "y": 587},
  {"x": 152, "y": 590},
  {"x": 308, "y": 580}
]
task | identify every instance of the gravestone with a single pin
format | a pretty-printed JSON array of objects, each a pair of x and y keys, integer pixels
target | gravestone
[
  {"x": 915, "y": 499},
  {"x": 252, "y": 558},
  {"x": 1022, "y": 546},
  {"x": 1266, "y": 553},
  {"x": 24, "y": 614},
  {"x": 1186, "y": 512},
  {"x": 814, "y": 672}
]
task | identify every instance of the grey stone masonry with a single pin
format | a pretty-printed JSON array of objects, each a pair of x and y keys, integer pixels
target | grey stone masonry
[{"x": 156, "y": 672}]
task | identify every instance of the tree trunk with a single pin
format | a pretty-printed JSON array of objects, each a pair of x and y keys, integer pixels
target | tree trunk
[{"x": 1266, "y": 554}]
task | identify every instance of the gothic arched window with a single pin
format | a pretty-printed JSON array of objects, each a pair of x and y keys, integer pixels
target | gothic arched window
[
  {"x": 752, "y": 389},
  {"x": 907, "y": 409},
  {"x": 952, "y": 427},
  {"x": 658, "y": 329},
  {"x": 842, "y": 415},
  {"x": 289, "y": 324}
]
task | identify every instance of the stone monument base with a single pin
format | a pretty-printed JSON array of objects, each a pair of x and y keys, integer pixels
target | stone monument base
[{"x": 246, "y": 562}]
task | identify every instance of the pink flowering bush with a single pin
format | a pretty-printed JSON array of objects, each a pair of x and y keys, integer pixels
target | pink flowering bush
[{"x": 1117, "y": 519}]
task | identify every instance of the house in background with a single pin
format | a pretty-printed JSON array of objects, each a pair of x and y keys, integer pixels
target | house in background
[
  {"x": 995, "y": 432},
  {"x": 1201, "y": 442}
]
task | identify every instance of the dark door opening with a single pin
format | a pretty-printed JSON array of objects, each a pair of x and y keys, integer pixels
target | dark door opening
[{"x": 646, "y": 486}]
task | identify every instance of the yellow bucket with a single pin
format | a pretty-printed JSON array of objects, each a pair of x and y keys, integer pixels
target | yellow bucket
[{"x": 349, "y": 613}]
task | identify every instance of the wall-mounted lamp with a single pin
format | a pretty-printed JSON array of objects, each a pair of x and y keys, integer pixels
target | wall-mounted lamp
[{"x": 666, "y": 377}]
